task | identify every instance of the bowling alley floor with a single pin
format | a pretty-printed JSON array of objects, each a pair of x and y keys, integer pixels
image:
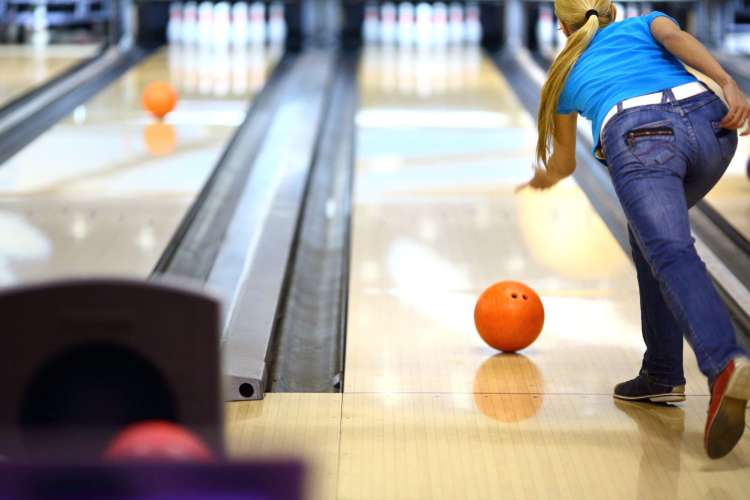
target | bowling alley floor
[
  {"x": 430, "y": 412},
  {"x": 25, "y": 67},
  {"x": 103, "y": 191}
]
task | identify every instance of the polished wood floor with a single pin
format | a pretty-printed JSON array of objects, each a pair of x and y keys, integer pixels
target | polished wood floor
[
  {"x": 429, "y": 411},
  {"x": 102, "y": 192},
  {"x": 25, "y": 67},
  {"x": 487, "y": 446}
]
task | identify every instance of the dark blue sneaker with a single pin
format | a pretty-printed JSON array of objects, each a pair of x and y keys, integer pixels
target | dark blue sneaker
[{"x": 642, "y": 388}]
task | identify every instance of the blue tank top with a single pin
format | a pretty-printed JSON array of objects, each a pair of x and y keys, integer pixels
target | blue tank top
[{"x": 623, "y": 60}]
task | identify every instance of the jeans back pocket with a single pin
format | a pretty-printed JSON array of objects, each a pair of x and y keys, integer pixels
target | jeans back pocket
[
  {"x": 652, "y": 142},
  {"x": 727, "y": 140}
]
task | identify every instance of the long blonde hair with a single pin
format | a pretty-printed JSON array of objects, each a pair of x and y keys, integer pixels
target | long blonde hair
[{"x": 573, "y": 14}]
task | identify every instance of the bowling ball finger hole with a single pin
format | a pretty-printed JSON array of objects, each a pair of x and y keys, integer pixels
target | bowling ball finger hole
[
  {"x": 514, "y": 295},
  {"x": 524, "y": 297}
]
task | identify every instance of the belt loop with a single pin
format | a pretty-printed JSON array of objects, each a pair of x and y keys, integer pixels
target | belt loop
[
  {"x": 619, "y": 107},
  {"x": 668, "y": 97},
  {"x": 669, "y": 93}
]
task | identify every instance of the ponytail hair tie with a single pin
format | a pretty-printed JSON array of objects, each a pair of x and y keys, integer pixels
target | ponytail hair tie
[{"x": 591, "y": 12}]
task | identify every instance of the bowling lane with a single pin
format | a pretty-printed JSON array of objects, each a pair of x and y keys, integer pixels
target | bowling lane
[
  {"x": 449, "y": 156},
  {"x": 436, "y": 446},
  {"x": 26, "y": 67},
  {"x": 103, "y": 191},
  {"x": 287, "y": 424},
  {"x": 435, "y": 221}
]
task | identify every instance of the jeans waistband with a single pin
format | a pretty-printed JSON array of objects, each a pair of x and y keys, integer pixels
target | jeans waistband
[{"x": 680, "y": 92}]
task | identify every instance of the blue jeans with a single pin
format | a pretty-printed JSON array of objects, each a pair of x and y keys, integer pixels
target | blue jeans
[{"x": 663, "y": 159}]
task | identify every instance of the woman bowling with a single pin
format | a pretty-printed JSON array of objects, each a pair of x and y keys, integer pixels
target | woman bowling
[{"x": 666, "y": 140}]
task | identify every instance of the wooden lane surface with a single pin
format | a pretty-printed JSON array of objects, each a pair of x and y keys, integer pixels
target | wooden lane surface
[
  {"x": 429, "y": 236},
  {"x": 488, "y": 446},
  {"x": 25, "y": 67},
  {"x": 103, "y": 191},
  {"x": 302, "y": 426},
  {"x": 428, "y": 410}
]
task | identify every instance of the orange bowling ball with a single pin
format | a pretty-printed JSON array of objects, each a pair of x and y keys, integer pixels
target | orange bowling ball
[
  {"x": 159, "y": 98},
  {"x": 509, "y": 316},
  {"x": 157, "y": 440}
]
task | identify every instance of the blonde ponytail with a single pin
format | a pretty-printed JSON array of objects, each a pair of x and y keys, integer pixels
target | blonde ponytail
[{"x": 573, "y": 14}]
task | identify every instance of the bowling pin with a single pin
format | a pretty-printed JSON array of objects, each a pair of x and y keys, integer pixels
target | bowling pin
[
  {"x": 257, "y": 24},
  {"x": 205, "y": 69},
  {"x": 388, "y": 23},
  {"x": 544, "y": 29},
  {"x": 222, "y": 73},
  {"x": 190, "y": 79},
  {"x": 439, "y": 24},
  {"x": 276, "y": 24},
  {"x": 205, "y": 23},
  {"x": 632, "y": 10},
  {"x": 456, "y": 23},
  {"x": 403, "y": 69},
  {"x": 472, "y": 68},
  {"x": 174, "y": 25},
  {"x": 440, "y": 69},
  {"x": 178, "y": 65},
  {"x": 620, "y": 12},
  {"x": 455, "y": 67},
  {"x": 257, "y": 68},
  {"x": 190, "y": 23},
  {"x": 39, "y": 25},
  {"x": 239, "y": 24},
  {"x": 406, "y": 24},
  {"x": 222, "y": 25},
  {"x": 176, "y": 70},
  {"x": 239, "y": 71},
  {"x": 473, "y": 24},
  {"x": 371, "y": 25},
  {"x": 424, "y": 75},
  {"x": 424, "y": 24}
]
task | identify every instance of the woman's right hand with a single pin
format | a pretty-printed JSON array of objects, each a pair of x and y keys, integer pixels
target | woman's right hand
[
  {"x": 739, "y": 108},
  {"x": 542, "y": 180}
]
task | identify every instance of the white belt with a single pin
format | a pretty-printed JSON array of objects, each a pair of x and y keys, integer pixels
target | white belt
[{"x": 680, "y": 92}]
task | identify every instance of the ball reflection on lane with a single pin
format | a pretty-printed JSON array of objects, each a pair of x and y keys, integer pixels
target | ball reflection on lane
[{"x": 508, "y": 388}]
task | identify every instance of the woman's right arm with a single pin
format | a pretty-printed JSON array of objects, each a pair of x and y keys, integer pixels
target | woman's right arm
[{"x": 690, "y": 51}]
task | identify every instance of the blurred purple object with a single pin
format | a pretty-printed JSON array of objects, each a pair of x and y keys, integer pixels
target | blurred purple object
[{"x": 228, "y": 481}]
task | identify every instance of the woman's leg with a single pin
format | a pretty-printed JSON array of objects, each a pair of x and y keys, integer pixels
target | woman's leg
[
  {"x": 730, "y": 389},
  {"x": 649, "y": 180},
  {"x": 656, "y": 156},
  {"x": 662, "y": 361}
]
